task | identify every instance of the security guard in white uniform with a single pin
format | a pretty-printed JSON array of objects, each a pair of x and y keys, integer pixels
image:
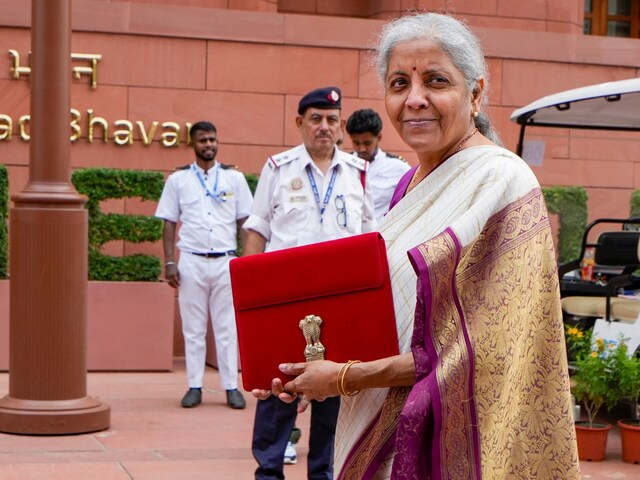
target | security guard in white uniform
[
  {"x": 308, "y": 194},
  {"x": 385, "y": 170},
  {"x": 212, "y": 202},
  {"x": 297, "y": 204}
]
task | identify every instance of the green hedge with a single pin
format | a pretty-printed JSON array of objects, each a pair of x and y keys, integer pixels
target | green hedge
[
  {"x": 252, "y": 180},
  {"x": 100, "y": 184},
  {"x": 635, "y": 204},
  {"x": 570, "y": 204},
  {"x": 4, "y": 215}
]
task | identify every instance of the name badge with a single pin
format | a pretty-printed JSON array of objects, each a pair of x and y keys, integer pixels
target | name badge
[{"x": 298, "y": 199}]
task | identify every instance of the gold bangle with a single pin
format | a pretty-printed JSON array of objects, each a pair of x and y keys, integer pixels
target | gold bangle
[
  {"x": 338, "y": 378},
  {"x": 341, "y": 377}
]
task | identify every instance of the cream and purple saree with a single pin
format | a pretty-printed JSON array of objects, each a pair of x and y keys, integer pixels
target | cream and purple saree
[{"x": 484, "y": 323}]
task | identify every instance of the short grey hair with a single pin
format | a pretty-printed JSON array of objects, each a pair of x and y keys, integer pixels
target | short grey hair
[{"x": 454, "y": 38}]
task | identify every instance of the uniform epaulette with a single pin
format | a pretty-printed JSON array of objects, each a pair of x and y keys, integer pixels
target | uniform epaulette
[
  {"x": 391, "y": 155},
  {"x": 226, "y": 166},
  {"x": 278, "y": 160},
  {"x": 184, "y": 167},
  {"x": 357, "y": 162}
]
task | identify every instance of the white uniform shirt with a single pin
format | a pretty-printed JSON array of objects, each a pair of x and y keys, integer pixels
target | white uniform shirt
[
  {"x": 285, "y": 210},
  {"x": 208, "y": 225},
  {"x": 384, "y": 172}
]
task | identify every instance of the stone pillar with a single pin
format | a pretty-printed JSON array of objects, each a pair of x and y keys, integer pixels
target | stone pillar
[{"x": 48, "y": 256}]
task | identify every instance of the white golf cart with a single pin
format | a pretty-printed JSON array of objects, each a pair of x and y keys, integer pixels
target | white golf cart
[{"x": 605, "y": 106}]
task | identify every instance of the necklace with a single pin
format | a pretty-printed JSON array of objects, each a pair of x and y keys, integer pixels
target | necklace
[
  {"x": 416, "y": 179},
  {"x": 464, "y": 140}
]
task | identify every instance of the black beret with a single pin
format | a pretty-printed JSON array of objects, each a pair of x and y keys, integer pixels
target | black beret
[{"x": 328, "y": 97}]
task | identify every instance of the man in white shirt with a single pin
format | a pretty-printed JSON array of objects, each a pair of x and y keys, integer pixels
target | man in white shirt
[
  {"x": 310, "y": 193},
  {"x": 212, "y": 201},
  {"x": 385, "y": 170}
]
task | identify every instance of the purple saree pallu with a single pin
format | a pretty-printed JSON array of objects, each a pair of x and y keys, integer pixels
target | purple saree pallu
[
  {"x": 401, "y": 188},
  {"x": 443, "y": 393},
  {"x": 377, "y": 441},
  {"x": 491, "y": 398}
]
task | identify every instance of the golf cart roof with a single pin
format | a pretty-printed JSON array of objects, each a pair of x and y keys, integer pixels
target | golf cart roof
[{"x": 606, "y": 106}]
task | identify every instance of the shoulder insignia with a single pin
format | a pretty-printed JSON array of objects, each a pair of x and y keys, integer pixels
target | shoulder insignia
[
  {"x": 391, "y": 155},
  {"x": 184, "y": 167},
  {"x": 278, "y": 160},
  {"x": 357, "y": 162},
  {"x": 225, "y": 166}
]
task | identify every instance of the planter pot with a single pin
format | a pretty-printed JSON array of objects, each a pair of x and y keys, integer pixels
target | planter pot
[
  {"x": 592, "y": 441},
  {"x": 129, "y": 326},
  {"x": 630, "y": 436}
]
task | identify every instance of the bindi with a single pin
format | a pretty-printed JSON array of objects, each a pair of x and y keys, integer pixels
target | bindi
[{"x": 414, "y": 69}]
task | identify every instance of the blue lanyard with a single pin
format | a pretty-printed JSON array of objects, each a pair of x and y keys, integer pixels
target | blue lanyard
[
  {"x": 316, "y": 194},
  {"x": 219, "y": 196}
]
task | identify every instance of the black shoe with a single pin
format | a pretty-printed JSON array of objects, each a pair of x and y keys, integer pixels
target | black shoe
[
  {"x": 296, "y": 433},
  {"x": 235, "y": 399},
  {"x": 192, "y": 398}
]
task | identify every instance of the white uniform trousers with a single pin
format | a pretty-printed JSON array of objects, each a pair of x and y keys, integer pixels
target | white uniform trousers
[{"x": 205, "y": 292}]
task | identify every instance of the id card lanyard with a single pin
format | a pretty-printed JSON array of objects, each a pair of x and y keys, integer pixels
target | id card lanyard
[
  {"x": 218, "y": 196},
  {"x": 314, "y": 186}
]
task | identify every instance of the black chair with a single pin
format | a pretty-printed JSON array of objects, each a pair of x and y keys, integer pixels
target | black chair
[{"x": 617, "y": 258}]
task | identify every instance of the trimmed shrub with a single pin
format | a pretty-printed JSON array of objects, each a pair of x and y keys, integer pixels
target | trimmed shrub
[
  {"x": 635, "y": 204},
  {"x": 100, "y": 184},
  {"x": 570, "y": 204},
  {"x": 252, "y": 180}
]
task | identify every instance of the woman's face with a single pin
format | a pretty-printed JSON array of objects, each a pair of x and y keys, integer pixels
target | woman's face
[{"x": 427, "y": 99}]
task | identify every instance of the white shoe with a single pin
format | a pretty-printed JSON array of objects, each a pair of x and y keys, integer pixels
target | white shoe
[{"x": 290, "y": 457}]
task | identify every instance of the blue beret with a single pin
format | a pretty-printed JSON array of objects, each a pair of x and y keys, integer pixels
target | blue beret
[{"x": 328, "y": 97}]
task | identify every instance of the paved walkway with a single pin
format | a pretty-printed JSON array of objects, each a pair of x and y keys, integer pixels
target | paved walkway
[{"x": 153, "y": 438}]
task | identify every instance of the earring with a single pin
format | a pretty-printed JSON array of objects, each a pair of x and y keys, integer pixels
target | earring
[{"x": 475, "y": 114}]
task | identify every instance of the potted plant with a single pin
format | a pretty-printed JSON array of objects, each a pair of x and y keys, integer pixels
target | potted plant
[
  {"x": 629, "y": 383},
  {"x": 595, "y": 384}
]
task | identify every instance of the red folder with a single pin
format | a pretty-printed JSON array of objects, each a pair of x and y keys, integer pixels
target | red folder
[{"x": 345, "y": 282}]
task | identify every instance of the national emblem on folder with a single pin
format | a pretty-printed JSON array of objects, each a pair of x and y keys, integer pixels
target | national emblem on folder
[{"x": 329, "y": 300}]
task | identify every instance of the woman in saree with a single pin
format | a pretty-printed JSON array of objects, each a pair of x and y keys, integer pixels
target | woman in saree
[{"x": 480, "y": 389}]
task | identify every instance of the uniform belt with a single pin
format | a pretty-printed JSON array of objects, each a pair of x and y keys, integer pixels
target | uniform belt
[{"x": 230, "y": 253}]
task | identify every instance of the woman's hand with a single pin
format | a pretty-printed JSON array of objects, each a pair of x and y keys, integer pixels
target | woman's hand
[
  {"x": 315, "y": 380},
  {"x": 278, "y": 390},
  {"x": 261, "y": 394}
]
